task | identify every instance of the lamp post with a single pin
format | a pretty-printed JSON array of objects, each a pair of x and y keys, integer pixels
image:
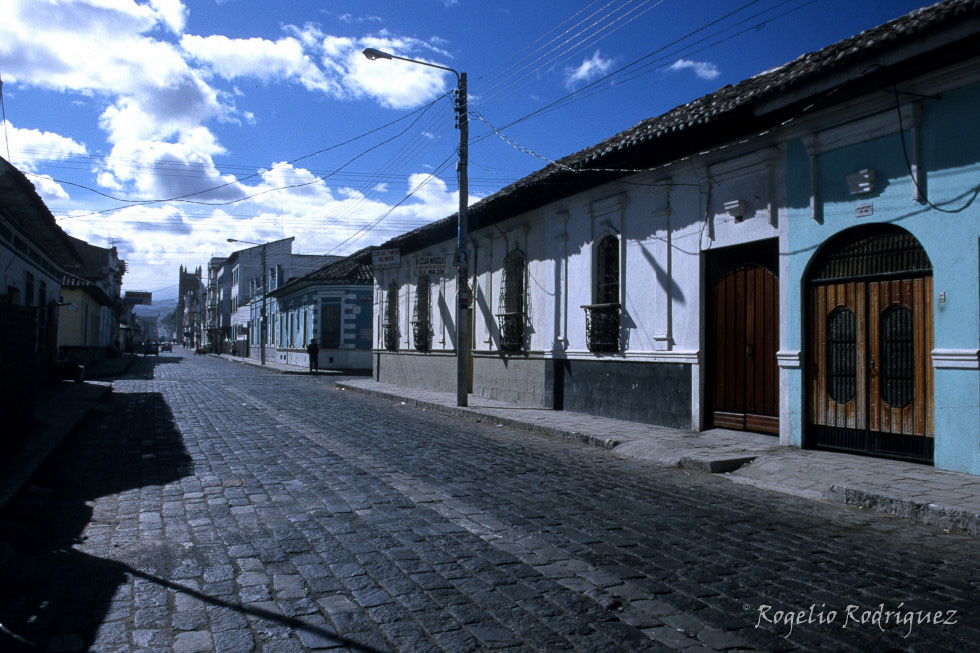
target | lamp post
[
  {"x": 462, "y": 255},
  {"x": 265, "y": 277}
]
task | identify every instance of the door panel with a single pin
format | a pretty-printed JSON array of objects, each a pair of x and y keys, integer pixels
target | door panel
[
  {"x": 745, "y": 391},
  {"x": 875, "y": 336}
]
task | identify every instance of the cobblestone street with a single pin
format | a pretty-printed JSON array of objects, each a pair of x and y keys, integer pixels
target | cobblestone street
[{"x": 209, "y": 506}]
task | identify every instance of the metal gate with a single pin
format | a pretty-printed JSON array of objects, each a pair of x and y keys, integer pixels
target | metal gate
[{"x": 869, "y": 367}]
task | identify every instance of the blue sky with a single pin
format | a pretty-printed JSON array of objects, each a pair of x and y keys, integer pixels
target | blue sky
[{"x": 266, "y": 121}]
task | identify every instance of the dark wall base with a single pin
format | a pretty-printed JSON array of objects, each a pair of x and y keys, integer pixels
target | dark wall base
[{"x": 652, "y": 393}]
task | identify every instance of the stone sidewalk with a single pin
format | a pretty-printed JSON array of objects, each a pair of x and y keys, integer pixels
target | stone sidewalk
[{"x": 59, "y": 408}]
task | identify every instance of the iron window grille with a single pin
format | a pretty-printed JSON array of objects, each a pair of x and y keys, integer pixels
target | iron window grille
[
  {"x": 842, "y": 355},
  {"x": 603, "y": 318},
  {"x": 421, "y": 321},
  {"x": 897, "y": 356},
  {"x": 390, "y": 327},
  {"x": 511, "y": 317}
]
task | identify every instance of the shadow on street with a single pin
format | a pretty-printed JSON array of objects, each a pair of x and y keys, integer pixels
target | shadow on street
[{"x": 51, "y": 595}]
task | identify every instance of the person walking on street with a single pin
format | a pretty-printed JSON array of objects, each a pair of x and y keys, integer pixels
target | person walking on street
[{"x": 314, "y": 352}]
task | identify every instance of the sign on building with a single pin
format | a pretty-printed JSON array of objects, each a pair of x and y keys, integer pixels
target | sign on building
[
  {"x": 386, "y": 258},
  {"x": 436, "y": 265}
]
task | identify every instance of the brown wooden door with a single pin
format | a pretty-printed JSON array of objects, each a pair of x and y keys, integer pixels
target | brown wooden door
[
  {"x": 745, "y": 379},
  {"x": 870, "y": 369}
]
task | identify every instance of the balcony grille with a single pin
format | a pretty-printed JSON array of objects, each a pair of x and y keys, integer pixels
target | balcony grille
[
  {"x": 422, "y": 335},
  {"x": 511, "y": 331},
  {"x": 391, "y": 336},
  {"x": 602, "y": 327}
]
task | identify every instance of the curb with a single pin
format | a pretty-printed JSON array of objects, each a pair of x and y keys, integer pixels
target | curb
[
  {"x": 926, "y": 513},
  {"x": 475, "y": 415}
]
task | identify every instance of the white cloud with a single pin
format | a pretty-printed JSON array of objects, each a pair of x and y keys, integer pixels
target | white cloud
[
  {"x": 48, "y": 188},
  {"x": 101, "y": 48},
  {"x": 589, "y": 70},
  {"x": 159, "y": 92},
  {"x": 171, "y": 12},
  {"x": 31, "y": 146},
  {"x": 159, "y": 170},
  {"x": 703, "y": 69},
  {"x": 260, "y": 58}
]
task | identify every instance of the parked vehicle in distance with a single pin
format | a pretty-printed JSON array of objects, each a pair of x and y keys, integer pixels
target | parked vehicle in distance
[
  {"x": 68, "y": 370},
  {"x": 166, "y": 346},
  {"x": 151, "y": 348}
]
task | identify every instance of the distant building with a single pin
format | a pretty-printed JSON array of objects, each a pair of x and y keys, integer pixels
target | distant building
[
  {"x": 92, "y": 304},
  {"x": 190, "y": 312},
  {"x": 241, "y": 276},
  {"x": 333, "y": 305},
  {"x": 217, "y": 322}
]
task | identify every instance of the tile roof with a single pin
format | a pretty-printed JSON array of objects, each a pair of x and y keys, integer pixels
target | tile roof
[
  {"x": 730, "y": 112},
  {"x": 355, "y": 269},
  {"x": 70, "y": 281},
  {"x": 21, "y": 203}
]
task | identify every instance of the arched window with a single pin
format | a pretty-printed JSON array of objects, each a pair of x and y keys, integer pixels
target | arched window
[
  {"x": 421, "y": 320},
  {"x": 607, "y": 271},
  {"x": 602, "y": 319},
  {"x": 390, "y": 325},
  {"x": 512, "y": 302}
]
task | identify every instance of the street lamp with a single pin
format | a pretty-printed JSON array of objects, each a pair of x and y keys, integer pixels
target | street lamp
[
  {"x": 462, "y": 255},
  {"x": 265, "y": 276}
]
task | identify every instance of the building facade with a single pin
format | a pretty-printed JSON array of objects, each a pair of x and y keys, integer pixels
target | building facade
[
  {"x": 92, "y": 306},
  {"x": 796, "y": 254},
  {"x": 34, "y": 254},
  {"x": 332, "y": 305},
  {"x": 191, "y": 309}
]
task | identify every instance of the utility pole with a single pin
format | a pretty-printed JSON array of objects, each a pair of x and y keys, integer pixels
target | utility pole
[
  {"x": 262, "y": 321},
  {"x": 462, "y": 254}
]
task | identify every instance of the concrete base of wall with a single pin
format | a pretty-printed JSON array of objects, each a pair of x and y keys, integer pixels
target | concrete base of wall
[
  {"x": 330, "y": 359},
  {"x": 429, "y": 371},
  {"x": 652, "y": 393}
]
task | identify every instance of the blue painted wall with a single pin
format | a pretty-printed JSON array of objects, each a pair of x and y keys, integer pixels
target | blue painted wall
[{"x": 950, "y": 158}]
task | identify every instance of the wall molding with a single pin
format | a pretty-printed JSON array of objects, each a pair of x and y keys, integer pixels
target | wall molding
[
  {"x": 951, "y": 359},
  {"x": 789, "y": 360}
]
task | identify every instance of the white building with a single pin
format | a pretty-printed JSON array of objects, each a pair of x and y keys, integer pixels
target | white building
[{"x": 761, "y": 258}]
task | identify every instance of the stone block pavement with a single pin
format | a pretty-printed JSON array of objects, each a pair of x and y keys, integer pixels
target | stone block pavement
[
  {"x": 948, "y": 500},
  {"x": 945, "y": 499}
]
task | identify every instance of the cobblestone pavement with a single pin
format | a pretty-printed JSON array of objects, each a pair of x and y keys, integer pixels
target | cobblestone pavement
[{"x": 216, "y": 507}]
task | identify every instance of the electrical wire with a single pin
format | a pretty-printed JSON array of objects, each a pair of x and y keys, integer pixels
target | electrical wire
[{"x": 3, "y": 116}]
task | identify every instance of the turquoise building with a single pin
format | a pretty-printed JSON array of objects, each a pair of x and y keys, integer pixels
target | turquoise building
[{"x": 880, "y": 257}]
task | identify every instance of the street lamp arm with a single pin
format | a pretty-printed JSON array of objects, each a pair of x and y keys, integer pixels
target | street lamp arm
[{"x": 374, "y": 55}]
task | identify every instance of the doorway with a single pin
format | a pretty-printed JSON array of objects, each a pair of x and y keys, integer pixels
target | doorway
[
  {"x": 744, "y": 318},
  {"x": 870, "y": 334}
]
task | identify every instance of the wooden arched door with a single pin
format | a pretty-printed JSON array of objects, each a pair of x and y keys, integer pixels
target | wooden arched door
[
  {"x": 869, "y": 367},
  {"x": 743, "y": 370}
]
